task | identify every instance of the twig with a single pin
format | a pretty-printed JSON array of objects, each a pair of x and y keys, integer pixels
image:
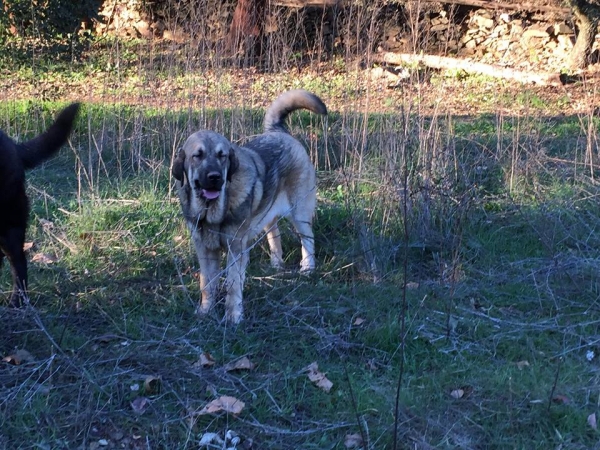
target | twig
[
  {"x": 37, "y": 319},
  {"x": 363, "y": 434},
  {"x": 555, "y": 383},
  {"x": 403, "y": 307},
  {"x": 267, "y": 429}
]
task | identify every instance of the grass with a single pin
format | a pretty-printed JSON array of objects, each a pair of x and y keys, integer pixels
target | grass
[{"x": 502, "y": 285}]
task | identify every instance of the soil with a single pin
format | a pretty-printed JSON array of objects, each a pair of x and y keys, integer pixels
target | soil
[{"x": 373, "y": 90}]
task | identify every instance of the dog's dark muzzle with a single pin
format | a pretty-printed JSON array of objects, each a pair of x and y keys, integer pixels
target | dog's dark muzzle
[{"x": 210, "y": 185}]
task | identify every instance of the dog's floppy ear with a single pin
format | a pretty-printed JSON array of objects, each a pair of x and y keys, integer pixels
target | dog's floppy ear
[
  {"x": 179, "y": 165},
  {"x": 233, "y": 164}
]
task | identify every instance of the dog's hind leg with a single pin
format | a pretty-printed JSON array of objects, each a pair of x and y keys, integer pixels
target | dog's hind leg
[
  {"x": 274, "y": 239},
  {"x": 12, "y": 242},
  {"x": 307, "y": 239},
  {"x": 302, "y": 217}
]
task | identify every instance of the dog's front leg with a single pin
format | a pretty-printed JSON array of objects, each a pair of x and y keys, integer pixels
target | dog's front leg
[
  {"x": 12, "y": 246},
  {"x": 237, "y": 260},
  {"x": 209, "y": 261}
]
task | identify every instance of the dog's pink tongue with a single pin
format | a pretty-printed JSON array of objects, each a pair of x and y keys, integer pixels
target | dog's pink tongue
[{"x": 211, "y": 195}]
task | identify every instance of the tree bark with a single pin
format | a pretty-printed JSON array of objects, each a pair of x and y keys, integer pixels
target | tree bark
[
  {"x": 247, "y": 25},
  {"x": 587, "y": 14}
]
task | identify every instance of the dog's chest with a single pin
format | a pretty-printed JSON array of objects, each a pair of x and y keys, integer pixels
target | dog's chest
[{"x": 210, "y": 235}]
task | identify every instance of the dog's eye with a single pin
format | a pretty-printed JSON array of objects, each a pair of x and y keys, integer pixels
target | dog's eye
[
  {"x": 220, "y": 154},
  {"x": 199, "y": 154}
]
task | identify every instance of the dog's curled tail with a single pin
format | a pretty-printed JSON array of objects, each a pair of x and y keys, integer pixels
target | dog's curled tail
[
  {"x": 45, "y": 145},
  {"x": 288, "y": 102}
]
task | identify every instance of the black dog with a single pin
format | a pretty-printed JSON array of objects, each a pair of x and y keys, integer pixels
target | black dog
[{"x": 15, "y": 159}]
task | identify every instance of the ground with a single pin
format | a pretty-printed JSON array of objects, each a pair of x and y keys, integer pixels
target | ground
[{"x": 458, "y": 269}]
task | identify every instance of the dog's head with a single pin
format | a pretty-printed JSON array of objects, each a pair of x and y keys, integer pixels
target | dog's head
[{"x": 206, "y": 161}]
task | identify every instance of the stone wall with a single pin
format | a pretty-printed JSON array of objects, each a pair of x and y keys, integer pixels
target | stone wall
[{"x": 513, "y": 39}]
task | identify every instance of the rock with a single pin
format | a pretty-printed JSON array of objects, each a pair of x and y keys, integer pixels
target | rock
[
  {"x": 439, "y": 27},
  {"x": 562, "y": 28},
  {"x": 483, "y": 22},
  {"x": 471, "y": 44},
  {"x": 565, "y": 42},
  {"x": 537, "y": 37},
  {"x": 500, "y": 30},
  {"x": 143, "y": 28}
]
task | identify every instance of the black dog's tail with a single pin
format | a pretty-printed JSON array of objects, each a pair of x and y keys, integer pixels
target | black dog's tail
[
  {"x": 288, "y": 102},
  {"x": 45, "y": 145}
]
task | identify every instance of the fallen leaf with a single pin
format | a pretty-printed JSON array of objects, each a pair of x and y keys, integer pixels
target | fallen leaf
[
  {"x": 591, "y": 420},
  {"x": 19, "y": 357},
  {"x": 225, "y": 403},
  {"x": 353, "y": 441},
  {"x": 152, "y": 385},
  {"x": 232, "y": 437},
  {"x": 44, "y": 258},
  {"x": 139, "y": 405},
  {"x": 206, "y": 360},
  {"x": 240, "y": 364},
  {"x": 210, "y": 438},
  {"x": 522, "y": 364},
  {"x": 317, "y": 377},
  {"x": 47, "y": 224},
  {"x": 27, "y": 246},
  {"x": 358, "y": 321},
  {"x": 412, "y": 285},
  {"x": 457, "y": 393},
  {"x": 462, "y": 392},
  {"x": 561, "y": 399}
]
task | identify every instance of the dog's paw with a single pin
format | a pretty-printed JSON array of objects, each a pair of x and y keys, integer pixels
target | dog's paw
[
  {"x": 203, "y": 309},
  {"x": 277, "y": 263},
  {"x": 307, "y": 265},
  {"x": 233, "y": 317},
  {"x": 18, "y": 298},
  {"x": 307, "y": 270},
  {"x": 15, "y": 301}
]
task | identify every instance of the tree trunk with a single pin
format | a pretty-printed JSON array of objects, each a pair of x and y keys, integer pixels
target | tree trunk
[
  {"x": 444, "y": 62},
  {"x": 247, "y": 26},
  {"x": 587, "y": 14}
]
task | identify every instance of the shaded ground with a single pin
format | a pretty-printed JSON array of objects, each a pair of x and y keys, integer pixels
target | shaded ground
[{"x": 503, "y": 290}]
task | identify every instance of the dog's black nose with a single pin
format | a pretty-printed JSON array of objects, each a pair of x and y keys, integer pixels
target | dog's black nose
[{"x": 214, "y": 177}]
